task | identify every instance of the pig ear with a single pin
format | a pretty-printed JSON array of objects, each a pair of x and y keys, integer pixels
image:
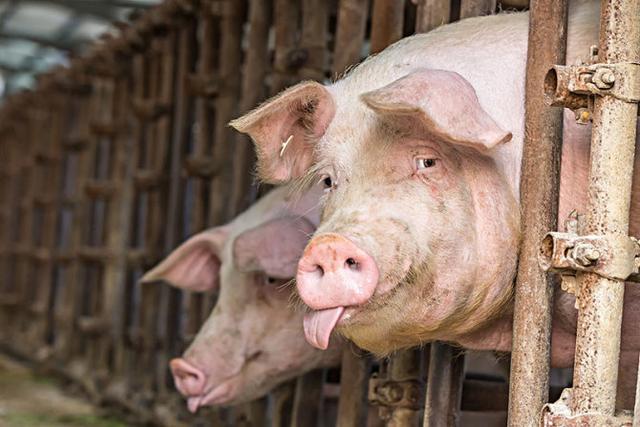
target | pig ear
[
  {"x": 273, "y": 247},
  {"x": 194, "y": 265},
  {"x": 440, "y": 104},
  {"x": 284, "y": 129}
]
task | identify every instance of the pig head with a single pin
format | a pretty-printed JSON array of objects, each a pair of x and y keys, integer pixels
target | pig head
[
  {"x": 253, "y": 339},
  {"x": 419, "y": 230}
]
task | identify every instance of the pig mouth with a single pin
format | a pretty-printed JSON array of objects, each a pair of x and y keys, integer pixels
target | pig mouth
[
  {"x": 320, "y": 324},
  {"x": 220, "y": 394}
]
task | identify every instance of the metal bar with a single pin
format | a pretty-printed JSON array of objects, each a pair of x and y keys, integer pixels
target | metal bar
[
  {"x": 354, "y": 378},
  {"x": 253, "y": 91},
  {"x": 613, "y": 140},
  {"x": 432, "y": 14},
  {"x": 307, "y": 402},
  {"x": 636, "y": 407},
  {"x": 444, "y": 386},
  {"x": 471, "y": 8},
  {"x": 186, "y": 47},
  {"x": 226, "y": 105},
  {"x": 286, "y": 17},
  {"x": 350, "y": 34},
  {"x": 67, "y": 300},
  {"x": 405, "y": 365},
  {"x": 539, "y": 187},
  {"x": 387, "y": 19}
]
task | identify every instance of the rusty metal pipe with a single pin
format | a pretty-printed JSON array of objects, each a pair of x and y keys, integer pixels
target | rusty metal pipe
[
  {"x": 444, "y": 386},
  {"x": 539, "y": 186},
  {"x": 613, "y": 139}
]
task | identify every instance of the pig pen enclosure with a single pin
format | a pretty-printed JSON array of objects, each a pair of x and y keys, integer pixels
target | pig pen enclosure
[{"x": 110, "y": 163}]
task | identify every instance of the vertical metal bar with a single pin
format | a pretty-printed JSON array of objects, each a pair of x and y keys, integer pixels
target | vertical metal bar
[
  {"x": 432, "y": 14},
  {"x": 444, "y": 386},
  {"x": 313, "y": 40},
  {"x": 404, "y": 366},
  {"x": 613, "y": 140},
  {"x": 471, "y": 8},
  {"x": 354, "y": 379},
  {"x": 253, "y": 91},
  {"x": 51, "y": 170},
  {"x": 636, "y": 407},
  {"x": 226, "y": 105},
  {"x": 350, "y": 34},
  {"x": 69, "y": 296},
  {"x": 307, "y": 402},
  {"x": 286, "y": 23},
  {"x": 117, "y": 240},
  {"x": 387, "y": 20},
  {"x": 539, "y": 186},
  {"x": 24, "y": 267}
]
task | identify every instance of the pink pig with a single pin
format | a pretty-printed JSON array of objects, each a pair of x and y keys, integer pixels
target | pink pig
[
  {"x": 419, "y": 150},
  {"x": 253, "y": 340}
]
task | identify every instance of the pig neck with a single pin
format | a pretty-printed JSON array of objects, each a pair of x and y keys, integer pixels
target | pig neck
[{"x": 573, "y": 196}]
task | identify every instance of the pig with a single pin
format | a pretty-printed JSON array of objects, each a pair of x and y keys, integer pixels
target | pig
[
  {"x": 419, "y": 151},
  {"x": 253, "y": 339}
]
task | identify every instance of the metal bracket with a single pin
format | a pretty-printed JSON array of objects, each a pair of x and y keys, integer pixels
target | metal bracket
[
  {"x": 559, "y": 414},
  {"x": 397, "y": 394},
  {"x": 574, "y": 86},
  {"x": 611, "y": 256}
]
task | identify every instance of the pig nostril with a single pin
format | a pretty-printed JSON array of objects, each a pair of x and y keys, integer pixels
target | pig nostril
[
  {"x": 352, "y": 263},
  {"x": 320, "y": 270}
]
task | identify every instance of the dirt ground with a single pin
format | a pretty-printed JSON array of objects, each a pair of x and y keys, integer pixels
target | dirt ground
[{"x": 29, "y": 400}]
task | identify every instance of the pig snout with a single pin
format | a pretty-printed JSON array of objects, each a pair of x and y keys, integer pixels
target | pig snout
[
  {"x": 189, "y": 380},
  {"x": 334, "y": 272}
]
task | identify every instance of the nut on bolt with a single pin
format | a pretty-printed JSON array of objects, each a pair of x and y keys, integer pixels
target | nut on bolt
[
  {"x": 586, "y": 254},
  {"x": 604, "y": 78}
]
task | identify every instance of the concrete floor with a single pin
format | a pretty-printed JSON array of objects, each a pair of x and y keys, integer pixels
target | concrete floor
[{"x": 29, "y": 400}]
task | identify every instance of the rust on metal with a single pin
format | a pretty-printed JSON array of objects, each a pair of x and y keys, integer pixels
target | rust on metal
[
  {"x": 610, "y": 256},
  {"x": 539, "y": 187},
  {"x": 600, "y": 300}
]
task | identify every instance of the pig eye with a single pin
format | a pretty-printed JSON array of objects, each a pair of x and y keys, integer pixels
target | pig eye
[
  {"x": 268, "y": 280},
  {"x": 327, "y": 182},
  {"x": 425, "y": 163}
]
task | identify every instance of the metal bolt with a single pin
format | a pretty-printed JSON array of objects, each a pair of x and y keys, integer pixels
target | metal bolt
[
  {"x": 608, "y": 77},
  {"x": 603, "y": 78},
  {"x": 585, "y": 254}
]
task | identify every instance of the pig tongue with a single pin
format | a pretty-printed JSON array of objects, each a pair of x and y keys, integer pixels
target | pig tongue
[
  {"x": 319, "y": 324},
  {"x": 193, "y": 403}
]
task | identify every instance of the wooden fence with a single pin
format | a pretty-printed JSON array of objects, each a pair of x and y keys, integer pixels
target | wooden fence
[{"x": 113, "y": 161}]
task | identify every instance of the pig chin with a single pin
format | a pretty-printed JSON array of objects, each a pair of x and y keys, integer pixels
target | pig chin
[{"x": 375, "y": 326}]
